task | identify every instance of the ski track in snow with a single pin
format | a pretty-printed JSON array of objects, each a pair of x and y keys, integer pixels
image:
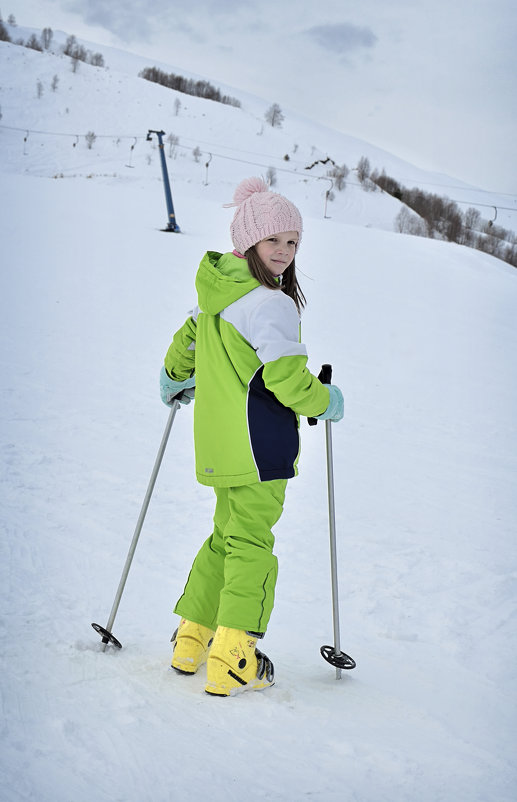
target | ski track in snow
[{"x": 422, "y": 337}]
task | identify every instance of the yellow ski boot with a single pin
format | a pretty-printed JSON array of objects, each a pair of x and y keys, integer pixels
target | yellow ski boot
[
  {"x": 191, "y": 643},
  {"x": 234, "y": 665}
]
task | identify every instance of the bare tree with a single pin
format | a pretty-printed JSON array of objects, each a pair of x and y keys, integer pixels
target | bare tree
[
  {"x": 363, "y": 169},
  {"x": 339, "y": 174},
  {"x": 274, "y": 116},
  {"x": 453, "y": 223},
  {"x": 46, "y": 37},
  {"x": 472, "y": 218},
  {"x": 407, "y": 223},
  {"x": 33, "y": 43},
  {"x": 173, "y": 141},
  {"x": 90, "y": 139},
  {"x": 510, "y": 253},
  {"x": 55, "y": 81},
  {"x": 80, "y": 52},
  {"x": 97, "y": 59},
  {"x": 177, "y": 106},
  {"x": 39, "y": 89},
  {"x": 196, "y": 153},
  {"x": 402, "y": 221},
  {"x": 491, "y": 245},
  {"x": 471, "y": 224},
  {"x": 271, "y": 176},
  {"x": 70, "y": 45},
  {"x": 4, "y": 33}
]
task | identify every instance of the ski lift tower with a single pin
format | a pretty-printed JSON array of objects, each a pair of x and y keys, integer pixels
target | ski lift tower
[{"x": 171, "y": 223}]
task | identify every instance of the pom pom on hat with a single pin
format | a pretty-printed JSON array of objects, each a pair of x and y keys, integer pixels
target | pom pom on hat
[
  {"x": 246, "y": 189},
  {"x": 261, "y": 213}
]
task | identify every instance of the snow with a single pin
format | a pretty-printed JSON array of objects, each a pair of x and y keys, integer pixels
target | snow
[{"x": 422, "y": 336}]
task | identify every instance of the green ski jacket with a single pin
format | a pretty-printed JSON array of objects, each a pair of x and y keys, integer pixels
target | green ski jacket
[{"x": 243, "y": 344}]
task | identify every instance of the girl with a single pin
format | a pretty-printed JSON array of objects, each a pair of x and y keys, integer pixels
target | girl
[{"x": 252, "y": 383}]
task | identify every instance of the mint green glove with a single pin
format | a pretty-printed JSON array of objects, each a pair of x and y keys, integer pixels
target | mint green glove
[
  {"x": 170, "y": 389},
  {"x": 335, "y": 409}
]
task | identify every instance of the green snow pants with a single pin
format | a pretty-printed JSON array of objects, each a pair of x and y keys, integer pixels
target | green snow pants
[{"x": 232, "y": 580}]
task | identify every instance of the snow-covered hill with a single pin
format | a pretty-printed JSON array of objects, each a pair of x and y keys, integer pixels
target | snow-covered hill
[
  {"x": 48, "y": 127},
  {"x": 422, "y": 336}
]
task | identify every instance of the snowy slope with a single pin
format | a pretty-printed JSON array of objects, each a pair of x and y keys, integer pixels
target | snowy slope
[
  {"x": 422, "y": 337},
  {"x": 231, "y": 140}
]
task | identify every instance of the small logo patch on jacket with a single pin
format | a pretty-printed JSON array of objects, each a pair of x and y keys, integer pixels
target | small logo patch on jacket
[{"x": 209, "y": 470}]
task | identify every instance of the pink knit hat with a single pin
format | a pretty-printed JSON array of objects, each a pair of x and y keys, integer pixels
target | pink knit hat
[{"x": 261, "y": 213}]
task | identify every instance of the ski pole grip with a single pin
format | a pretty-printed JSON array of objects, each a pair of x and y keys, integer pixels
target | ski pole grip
[{"x": 325, "y": 377}]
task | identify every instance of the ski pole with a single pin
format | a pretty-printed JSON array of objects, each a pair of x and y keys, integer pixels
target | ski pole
[
  {"x": 107, "y": 635},
  {"x": 332, "y": 655}
]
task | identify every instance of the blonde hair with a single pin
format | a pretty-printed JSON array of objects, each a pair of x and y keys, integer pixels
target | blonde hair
[{"x": 289, "y": 282}]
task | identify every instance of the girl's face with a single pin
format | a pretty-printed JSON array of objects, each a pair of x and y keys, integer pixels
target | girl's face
[{"x": 277, "y": 251}]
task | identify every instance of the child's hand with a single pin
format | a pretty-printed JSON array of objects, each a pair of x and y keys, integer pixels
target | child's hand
[
  {"x": 335, "y": 409},
  {"x": 171, "y": 390}
]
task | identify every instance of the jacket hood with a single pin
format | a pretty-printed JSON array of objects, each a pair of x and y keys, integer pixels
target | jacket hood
[{"x": 222, "y": 279}]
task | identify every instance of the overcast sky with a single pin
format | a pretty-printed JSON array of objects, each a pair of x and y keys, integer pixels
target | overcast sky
[{"x": 433, "y": 82}]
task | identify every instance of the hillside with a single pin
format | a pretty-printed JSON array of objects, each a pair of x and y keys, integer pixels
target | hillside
[
  {"x": 422, "y": 336},
  {"x": 49, "y": 131}
]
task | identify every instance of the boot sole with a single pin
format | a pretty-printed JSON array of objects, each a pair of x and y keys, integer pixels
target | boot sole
[
  {"x": 182, "y": 671},
  {"x": 236, "y": 690}
]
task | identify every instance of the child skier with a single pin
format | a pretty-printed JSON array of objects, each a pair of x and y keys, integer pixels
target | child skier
[{"x": 251, "y": 384}]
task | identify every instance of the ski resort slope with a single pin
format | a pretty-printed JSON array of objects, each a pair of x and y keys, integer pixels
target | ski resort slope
[{"x": 422, "y": 337}]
